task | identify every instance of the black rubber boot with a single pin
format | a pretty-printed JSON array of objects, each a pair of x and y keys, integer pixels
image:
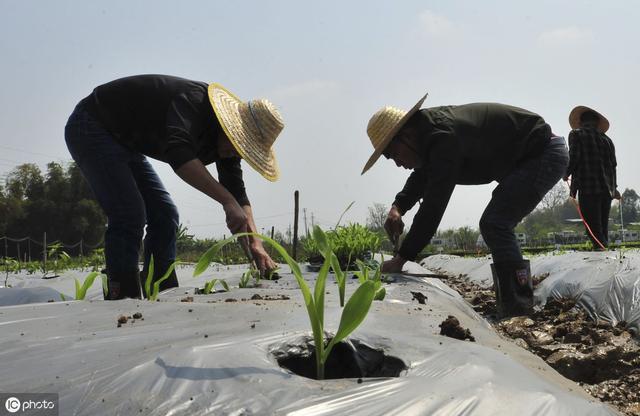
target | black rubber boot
[
  {"x": 513, "y": 286},
  {"x": 168, "y": 283},
  {"x": 124, "y": 285}
]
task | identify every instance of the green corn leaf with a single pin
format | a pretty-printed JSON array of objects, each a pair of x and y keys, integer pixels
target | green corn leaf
[
  {"x": 147, "y": 283},
  {"x": 156, "y": 284},
  {"x": 341, "y": 277},
  {"x": 210, "y": 254},
  {"x": 81, "y": 291},
  {"x": 353, "y": 313},
  {"x": 208, "y": 286},
  {"x": 344, "y": 212},
  {"x": 225, "y": 285},
  {"x": 321, "y": 240},
  {"x": 319, "y": 291},
  {"x": 381, "y": 292}
]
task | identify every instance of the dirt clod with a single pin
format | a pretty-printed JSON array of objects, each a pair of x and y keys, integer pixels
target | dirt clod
[
  {"x": 137, "y": 315},
  {"x": 122, "y": 319},
  {"x": 420, "y": 297},
  {"x": 187, "y": 299},
  {"x": 450, "y": 327},
  {"x": 603, "y": 358}
]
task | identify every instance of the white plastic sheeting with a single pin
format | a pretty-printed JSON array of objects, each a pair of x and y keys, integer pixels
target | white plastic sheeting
[
  {"x": 606, "y": 284},
  {"x": 212, "y": 358}
]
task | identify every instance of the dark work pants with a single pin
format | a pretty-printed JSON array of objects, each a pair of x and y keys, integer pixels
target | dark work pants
[
  {"x": 517, "y": 195},
  {"x": 130, "y": 193},
  {"x": 595, "y": 210}
]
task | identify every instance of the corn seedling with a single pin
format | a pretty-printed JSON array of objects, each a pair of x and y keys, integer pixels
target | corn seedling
[
  {"x": 81, "y": 290},
  {"x": 353, "y": 313},
  {"x": 59, "y": 258},
  {"x": 364, "y": 274},
  {"x": 210, "y": 285},
  {"x": 247, "y": 276},
  {"x": 152, "y": 290}
]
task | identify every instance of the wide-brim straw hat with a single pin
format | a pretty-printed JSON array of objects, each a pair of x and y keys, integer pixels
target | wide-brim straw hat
[
  {"x": 576, "y": 113},
  {"x": 252, "y": 127},
  {"x": 384, "y": 125}
]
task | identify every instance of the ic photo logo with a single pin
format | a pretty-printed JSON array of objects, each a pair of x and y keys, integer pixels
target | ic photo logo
[{"x": 12, "y": 404}]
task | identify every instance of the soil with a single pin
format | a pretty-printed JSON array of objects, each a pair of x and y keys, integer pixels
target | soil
[
  {"x": 420, "y": 297},
  {"x": 603, "y": 359},
  {"x": 348, "y": 359},
  {"x": 450, "y": 327}
]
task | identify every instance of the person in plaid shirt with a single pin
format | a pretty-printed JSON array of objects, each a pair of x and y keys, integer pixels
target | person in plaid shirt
[{"x": 592, "y": 168}]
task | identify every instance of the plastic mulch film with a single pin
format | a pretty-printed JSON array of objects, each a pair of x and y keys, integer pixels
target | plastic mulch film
[{"x": 210, "y": 354}]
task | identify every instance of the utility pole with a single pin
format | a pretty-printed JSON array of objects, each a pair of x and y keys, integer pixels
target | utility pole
[
  {"x": 306, "y": 229},
  {"x": 296, "y": 203}
]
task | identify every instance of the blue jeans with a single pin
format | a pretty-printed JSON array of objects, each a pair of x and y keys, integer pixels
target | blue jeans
[
  {"x": 517, "y": 195},
  {"x": 130, "y": 193}
]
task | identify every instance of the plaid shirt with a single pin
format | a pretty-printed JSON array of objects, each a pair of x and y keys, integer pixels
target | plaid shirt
[{"x": 592, "y": 164}]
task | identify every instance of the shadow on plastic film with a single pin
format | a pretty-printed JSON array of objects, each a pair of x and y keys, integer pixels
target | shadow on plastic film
[{"x": 197, "y": 374}]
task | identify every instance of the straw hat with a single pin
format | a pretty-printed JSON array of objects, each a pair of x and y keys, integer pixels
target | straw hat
[
  {"x": 252, "y": 127},
  {"x": 576, "y": 113},
  {"x": 384, "y": 125}
]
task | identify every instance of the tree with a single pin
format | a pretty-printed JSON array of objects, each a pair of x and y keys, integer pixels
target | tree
[
  {"x": 377, "y": 217},
  {"x": 630, "y": 206},
  {"x": 555, "y": 198}
]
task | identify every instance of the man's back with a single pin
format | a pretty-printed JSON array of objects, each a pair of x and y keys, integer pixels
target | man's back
[{"x": 593, "y": 162}]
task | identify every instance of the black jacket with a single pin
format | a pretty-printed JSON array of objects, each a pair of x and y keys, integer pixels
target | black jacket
[
  {"x": 166, "y": 118},
  {"x": 466, "y": 144}
]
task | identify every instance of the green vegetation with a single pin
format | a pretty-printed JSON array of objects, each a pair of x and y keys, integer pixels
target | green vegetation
[
  {"x": 59, "y": 203},
  {"x": 81, "y": 290},
  {"x": 210, "y": 285},
  {"x": 150, "y": 290},
  {"x": 350, "y": 242},
  {"x": 353, "y": 313}
]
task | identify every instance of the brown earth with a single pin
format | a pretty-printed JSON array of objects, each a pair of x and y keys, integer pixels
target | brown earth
[{"x": 603, "y": 359}]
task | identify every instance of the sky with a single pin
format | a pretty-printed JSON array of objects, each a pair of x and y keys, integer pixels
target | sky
[{"x": 327, "y": 66}]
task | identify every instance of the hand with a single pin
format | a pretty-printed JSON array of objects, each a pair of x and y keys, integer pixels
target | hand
[
  {"x": 394, "y": 265},
  {"x": 566, "y": 178},
  {"x": 236, "y": 217},
  {"x": 394, "y": 225},
  {"x": 263, "y": 261}
]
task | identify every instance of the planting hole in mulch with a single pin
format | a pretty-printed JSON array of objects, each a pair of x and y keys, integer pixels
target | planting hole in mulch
[{"x": 348, "y": 359}]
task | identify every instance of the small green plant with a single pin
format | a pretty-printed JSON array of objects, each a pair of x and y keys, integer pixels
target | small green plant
[
  {"x": 364, "y": 274},
  {"x": 81, "y": 290},
  {"x": 96, "y": 259},
  {"x": 152, "y": 291},
  {"x": 58, "y": 257},
  {"x": 210, "y": 285},
  {"x": 353, "y": 313}
]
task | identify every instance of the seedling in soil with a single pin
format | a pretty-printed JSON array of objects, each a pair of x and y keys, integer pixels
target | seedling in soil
[
  {"x": 247, "y": 276},
  {"x": 353, "y": 313},
  {"x": 210, "y": 285},
  {"x": 152, "y": 291}
]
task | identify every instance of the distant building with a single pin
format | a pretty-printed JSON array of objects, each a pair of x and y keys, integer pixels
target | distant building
[
  {"x": 565, "y": 237},
  {"x": 629, "y": 235}
]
